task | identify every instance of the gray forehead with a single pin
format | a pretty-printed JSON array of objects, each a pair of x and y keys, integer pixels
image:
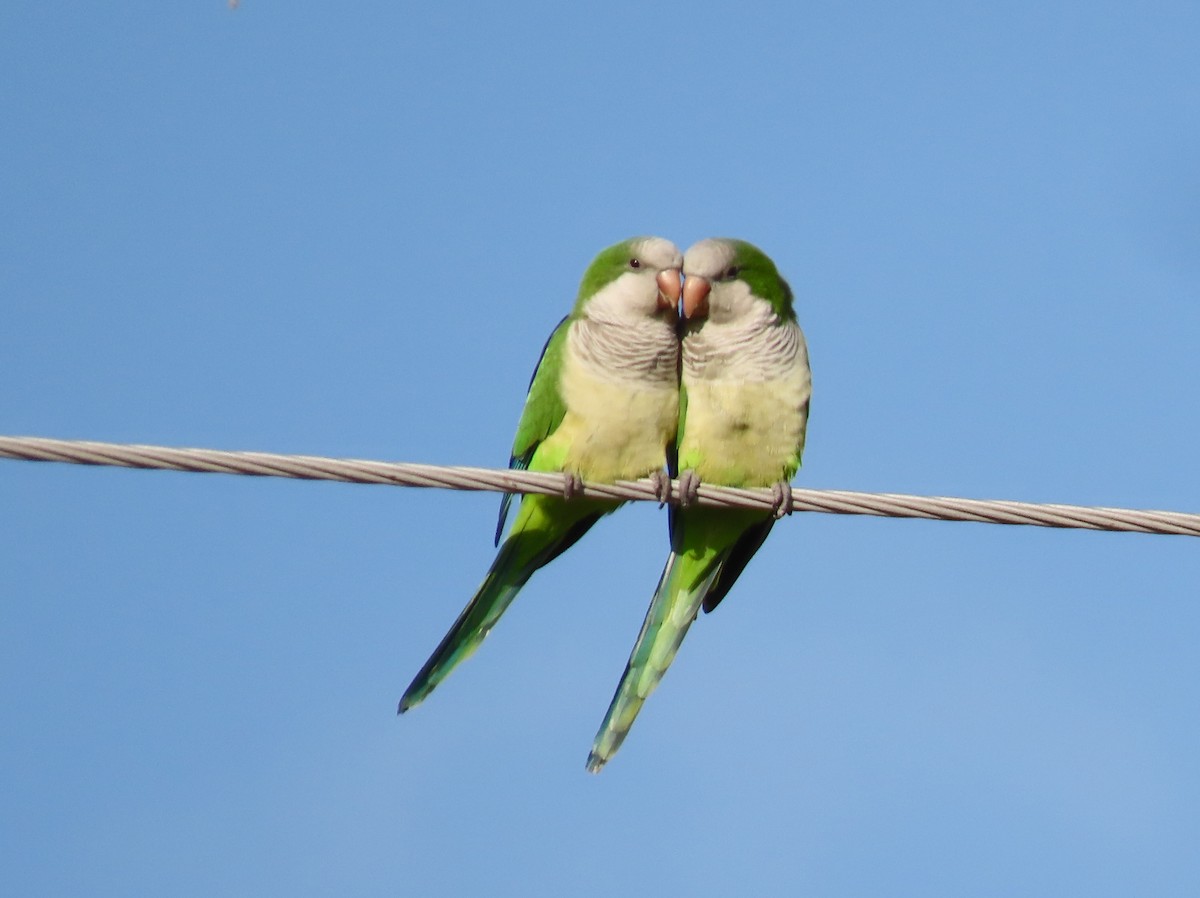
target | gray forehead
[
  {"x": 657, "y": 252},
  {"x": 708, "y": 258}
]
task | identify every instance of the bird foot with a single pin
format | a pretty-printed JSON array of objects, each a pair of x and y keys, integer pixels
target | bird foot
[
  {"x": 572, "y": 485},
  {"x": 662, "y": 487},
  {"x": 689, "y": 488},
  {"x": 781, "y": 499}
]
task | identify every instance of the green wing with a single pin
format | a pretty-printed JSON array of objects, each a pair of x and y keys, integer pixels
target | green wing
[
  {"x": 543, "y": 412},
  {"x": 735, "y": 562}
]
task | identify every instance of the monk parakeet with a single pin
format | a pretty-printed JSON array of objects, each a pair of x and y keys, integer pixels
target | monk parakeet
[
  {"x": 743, "y": 412},
  {"x": 603, "y": 405}
]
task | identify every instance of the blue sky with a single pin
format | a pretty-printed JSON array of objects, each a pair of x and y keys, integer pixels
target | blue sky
[{"x": 346, "y": 229}]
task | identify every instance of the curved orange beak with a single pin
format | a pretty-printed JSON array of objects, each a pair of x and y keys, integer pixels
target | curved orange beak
[
  {"x": 695, "y": 296},
  {"x": 669, "y": 288}
]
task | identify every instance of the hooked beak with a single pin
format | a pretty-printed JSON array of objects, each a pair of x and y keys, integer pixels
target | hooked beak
[
  {"x": 695, "y": 296},
  {"x": 669, "y": 289}
]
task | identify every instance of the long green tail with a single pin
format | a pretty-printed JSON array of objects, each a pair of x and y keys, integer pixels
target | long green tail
[
  {"x": 681, "y": 588},
  {"x": 545, "y": 527},
  {"x": 501, "y": 585}
]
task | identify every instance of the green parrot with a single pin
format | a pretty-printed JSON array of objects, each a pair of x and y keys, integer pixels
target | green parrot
[
  {"x": 603, "y": 405},
  {"x": 743, "y": 412}
]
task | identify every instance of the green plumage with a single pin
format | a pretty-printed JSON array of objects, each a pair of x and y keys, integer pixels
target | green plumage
[
  {"x": 706, "y": 557},
  {"x": 743, "y": 411},
  {"x": 544, "y": 528},
  {"x": 565, "y": 418}
]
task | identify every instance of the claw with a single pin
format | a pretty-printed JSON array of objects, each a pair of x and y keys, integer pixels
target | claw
[
  {"x": 572, "y": 485},
  {"x": 662, "y": 487},
  {"x": 781, "y": 499},
  {"x": 689, "y": 488}
]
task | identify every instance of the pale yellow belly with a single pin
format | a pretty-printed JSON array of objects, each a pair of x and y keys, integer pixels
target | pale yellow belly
[
  {"x": 745, "y": 433},
  {"x": 614, "y": 430}
]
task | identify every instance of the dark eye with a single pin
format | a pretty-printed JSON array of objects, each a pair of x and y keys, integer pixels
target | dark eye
[
  {"x": 635, "y": 263},
  {"x": 731, "y": 272}
]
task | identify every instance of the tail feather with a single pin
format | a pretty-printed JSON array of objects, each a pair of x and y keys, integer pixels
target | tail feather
[
  {"x": 545, "y": 527},
  {"x": 501, "y": 585},
  {"x": 674, "y": 606}
]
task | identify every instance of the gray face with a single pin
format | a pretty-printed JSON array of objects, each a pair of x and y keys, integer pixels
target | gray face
[
  {"x": 728, "y": 298},
  {"x": 708, "y": 258},
  {"x": 657, "y": 253}
]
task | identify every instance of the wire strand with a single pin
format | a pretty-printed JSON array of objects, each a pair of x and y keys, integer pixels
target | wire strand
[{"x": 314, "y": 467}]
